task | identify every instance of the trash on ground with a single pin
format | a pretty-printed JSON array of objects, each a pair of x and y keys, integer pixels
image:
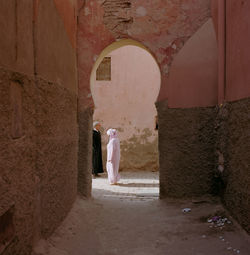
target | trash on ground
[
  {"x": 186, "y": 210},
  {"x": 218, "y": 221}
]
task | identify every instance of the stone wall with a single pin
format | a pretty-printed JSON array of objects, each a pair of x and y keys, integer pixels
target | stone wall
[
  {"x": 233, "y": 148},
  {"x": 186, "y": 148},
  {"x": 206, "y": 151}
]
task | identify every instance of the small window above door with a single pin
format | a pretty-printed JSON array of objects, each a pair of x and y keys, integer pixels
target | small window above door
[{"x": 103, "y": 72}]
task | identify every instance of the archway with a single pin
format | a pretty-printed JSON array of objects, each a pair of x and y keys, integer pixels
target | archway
[{"x": 125, "y": 83}]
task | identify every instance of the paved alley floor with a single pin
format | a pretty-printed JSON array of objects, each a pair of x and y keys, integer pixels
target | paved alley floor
[{"x": 129, "y": 219}]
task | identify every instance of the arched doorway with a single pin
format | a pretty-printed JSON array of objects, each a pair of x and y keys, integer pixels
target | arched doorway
[{"x": 125, "y": 83}]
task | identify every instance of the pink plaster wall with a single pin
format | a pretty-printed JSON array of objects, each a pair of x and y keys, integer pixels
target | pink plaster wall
[
  {"x": 214, "y": 14},
  {"x": 127, "y": 103},
  {"x": 55, "y": 55},
  {"x": 237, "y": 50},
  {"x": 67, "y": 10},
  {"x": 235, "y": 47},
  {"x": 193, "y": 74}
]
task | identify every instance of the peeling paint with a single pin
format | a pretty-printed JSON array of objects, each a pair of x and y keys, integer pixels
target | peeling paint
[
  {"x": 139, "y": 147},
  {"x": 162, "y": 26},
  {"x": 117, "y": 16}
]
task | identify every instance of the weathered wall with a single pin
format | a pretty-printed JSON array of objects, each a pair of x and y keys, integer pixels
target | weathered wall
[
  {"x": 18, "y": 183},
  {"x": 84, "y": 180},
  {"x": 161, "y": 26},
  {"x": 187, "y": 155},
  {"x": 38, "y": 138},
  {"x": 126, "y": 102},
  {"x": 233, "y": 117},
  {"x": 237, "y": 154},
  {"x": 233, "y": 147},
  {"x": 187, "y": 137},
  {"x": 237, "y": 157}
]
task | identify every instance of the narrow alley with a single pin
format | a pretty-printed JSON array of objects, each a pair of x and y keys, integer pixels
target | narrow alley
[
  {"x": 165, "y": 85},
  {"x": 128, "y": 218}
]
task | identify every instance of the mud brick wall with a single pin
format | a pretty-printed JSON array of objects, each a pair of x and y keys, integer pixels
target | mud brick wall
[
  {"x": 57, "y": 147},
  {"x": 85, "y": 152},
  {"x": 38, "y": 118},
  {"x": 38, "y": 156},
  {"x": 18, "y": 182},
  {"x": 234, "y": 148},
  {"x": 187, "y": 156}
]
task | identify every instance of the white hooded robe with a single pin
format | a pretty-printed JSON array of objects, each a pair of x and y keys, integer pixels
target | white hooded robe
[{"x": 113, "y": 157}]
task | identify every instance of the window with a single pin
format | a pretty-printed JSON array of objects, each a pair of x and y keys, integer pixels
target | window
[{"x": 103, "y": 72}]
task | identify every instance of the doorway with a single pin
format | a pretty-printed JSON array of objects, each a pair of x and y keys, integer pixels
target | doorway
[{"x": 125, "y": 83}]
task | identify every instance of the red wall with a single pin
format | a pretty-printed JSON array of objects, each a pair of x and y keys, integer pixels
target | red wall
[
  {"x": 214, "y": 14},
  {"x": 237, "y": 49},
  {"x": 67, "y": 10},
  {"x": 39, "y": 138},
  {"x": 193, "y": 74}
]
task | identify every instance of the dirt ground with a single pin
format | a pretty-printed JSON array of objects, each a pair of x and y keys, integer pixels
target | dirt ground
[{"x": 129, "y": 219}]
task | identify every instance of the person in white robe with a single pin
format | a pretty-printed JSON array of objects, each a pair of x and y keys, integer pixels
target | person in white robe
[{"x": 113, "y": 156}]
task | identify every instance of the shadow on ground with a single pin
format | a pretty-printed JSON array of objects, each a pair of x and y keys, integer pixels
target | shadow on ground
[{"x": 139, "y": 185}]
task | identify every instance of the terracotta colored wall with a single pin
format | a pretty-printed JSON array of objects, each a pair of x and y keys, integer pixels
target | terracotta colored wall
[
  {"x": 233, "y": 146},
  {"x": 127, "y": 103},
  {"x": 214, "y": 14},
  {"x": 237, "y": 179},
  {"x": 68, "y": 12},
  {"x": 16, "y": 32},
  {"x": 236, "y": 43},
  {"x": 193, "y": 75},
  {"x": 186, "y": 150},
  {"x": 54, "y": 53},
  {"x": 238, "y": 55},
  {"x": 38, "y": 139},
  {"x": 233, "y": 127},
  {"x": 186, "y": 136}
]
